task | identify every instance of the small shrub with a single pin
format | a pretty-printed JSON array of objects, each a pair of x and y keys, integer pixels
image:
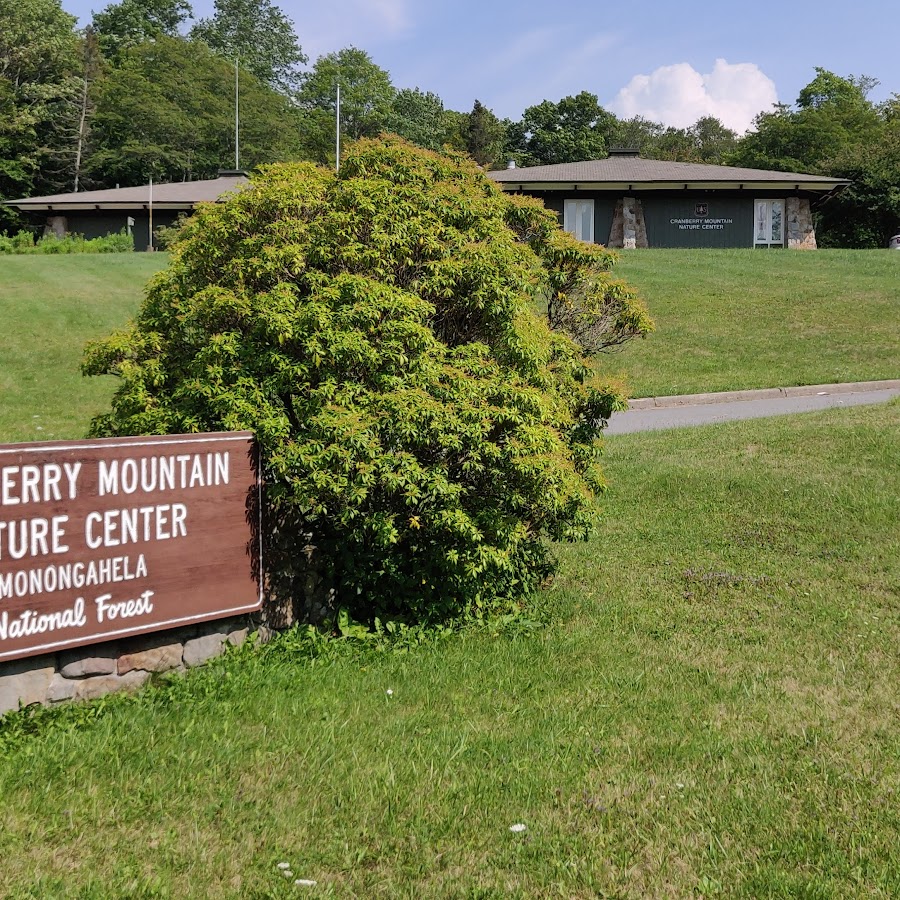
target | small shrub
[
  {"x": 23, "y": 242},
  {"x": 424, "y": 432},
  {"x": 164, "y": 236}
]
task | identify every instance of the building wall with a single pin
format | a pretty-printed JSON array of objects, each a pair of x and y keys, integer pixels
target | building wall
[
  {"x": 604, "y": 208},
  {"x": 698, "y": 221},
  {"x": 101, "y": 222},
  {"x": 712, "y": 219}
]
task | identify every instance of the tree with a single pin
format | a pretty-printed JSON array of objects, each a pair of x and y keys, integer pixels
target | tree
[
  {"x": 131, "y": 22},
  {"x": 39, "y": 99},
  {"x": 418, "y": 117},
  {"x": 712, "y": 140},
  {"x": 834, "y": 130},
  {"x": 91, "y": 69},
  {"x": 421, "y": 428},
  {"x": 455, "y": 126},
  {"x": 259, "y": 35},
  {"x": 484, "y": 135},
  {"x": 831, "y": 115},
  {"x": 867, "y": 212},
  {"x": 706, "y": 141},
  {"x": 574, "y": 129},
  {"x": 366, "y": 98},
  {"x": 168, "y": 113},
  {"x": 366, "y": 91},
  {"x": 828, "y": 89}
]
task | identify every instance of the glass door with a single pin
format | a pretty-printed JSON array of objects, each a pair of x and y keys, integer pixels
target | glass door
[
  {"x": 768, "y": 227},
  {"x": 578, "y": 219}
]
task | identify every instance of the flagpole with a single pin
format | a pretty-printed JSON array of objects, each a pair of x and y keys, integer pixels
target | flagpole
[
  {"x": 150, "y": 209},
  {"x": 237, "y": 154},
  {"x": 337, "y": 131}
]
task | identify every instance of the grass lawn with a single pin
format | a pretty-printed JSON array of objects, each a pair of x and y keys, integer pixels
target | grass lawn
[
  {"x": 709, "y": 709},
  {"x": 50, "y": 306},
  {"x": 732, "y": 319},
  {"x": 725, "y": 319}
]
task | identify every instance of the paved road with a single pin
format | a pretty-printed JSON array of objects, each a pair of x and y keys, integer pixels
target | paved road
[{"x": 745, "y": 405}]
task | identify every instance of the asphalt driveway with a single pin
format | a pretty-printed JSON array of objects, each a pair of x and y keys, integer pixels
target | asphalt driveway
[{"x": 654, "y": 413}]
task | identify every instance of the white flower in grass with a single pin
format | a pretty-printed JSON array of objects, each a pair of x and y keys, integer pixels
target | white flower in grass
[
  {"x": 518, "y": 828},
  {"x": 306, "y": 882},
  {"x": 284, "y": 865},
  {"x": 389, "y": 692}
]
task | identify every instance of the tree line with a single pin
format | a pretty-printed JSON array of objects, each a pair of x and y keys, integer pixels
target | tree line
[{"x": 145, "y": 91}]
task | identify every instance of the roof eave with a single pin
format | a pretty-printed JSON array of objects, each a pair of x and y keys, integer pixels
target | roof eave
[
  {"x": 32, "y": 206},
  {"x": 789, "y": 185}
]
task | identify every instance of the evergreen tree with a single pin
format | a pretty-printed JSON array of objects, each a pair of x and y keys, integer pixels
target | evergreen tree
[{"x": 484, "y": 135}]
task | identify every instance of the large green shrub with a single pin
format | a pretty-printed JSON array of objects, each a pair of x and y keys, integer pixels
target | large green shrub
[{"x": 421, "y": 425}]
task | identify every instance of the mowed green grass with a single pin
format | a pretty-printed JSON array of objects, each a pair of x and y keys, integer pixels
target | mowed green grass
[
  {"x": 709, "y": 709},
  {"x": 725, "y": 320},
  {"x": 734, "y": 319},
  {"x": 50, "y": 306}
]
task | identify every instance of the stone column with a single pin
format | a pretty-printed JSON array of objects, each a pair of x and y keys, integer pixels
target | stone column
[
  {"x": 629, "y": 230},
  {"x": 629, "y": 218},
  {"x": 58, "y": 226},
  {"x": 801, "y": 235},
  {"x": 617, "y": 229}
]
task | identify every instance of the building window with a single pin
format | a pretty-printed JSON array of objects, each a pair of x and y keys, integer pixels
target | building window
[
  {"x": 768, "y": 228},
  {"x": 578, "y": 219}
]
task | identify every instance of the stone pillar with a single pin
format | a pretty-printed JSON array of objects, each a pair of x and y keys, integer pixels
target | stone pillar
[
  {"x": 801, "y": 235},
  {"x": 629, "y": 230},
  {"x": 640, "y": 226},
  {"x": 58, "y": 226},
  {"x": 629, "y": 221},
  {"x": 617, "y": 229}
]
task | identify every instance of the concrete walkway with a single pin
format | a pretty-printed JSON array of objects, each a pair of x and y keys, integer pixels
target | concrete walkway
[{"x": 652, "y": 413}]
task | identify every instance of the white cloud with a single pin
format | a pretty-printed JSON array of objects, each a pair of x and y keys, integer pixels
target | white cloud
[{"x": 678, "y": 95}]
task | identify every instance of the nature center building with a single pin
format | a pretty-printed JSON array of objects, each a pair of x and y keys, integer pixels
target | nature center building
[
  {"x": 625, "y": 201},
  {"x": 131, "y": 209}
]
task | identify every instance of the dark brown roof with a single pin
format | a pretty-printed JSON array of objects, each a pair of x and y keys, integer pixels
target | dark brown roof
[
  {"x": 176, "y": 195},
  {"x": 624, "y": 170}
]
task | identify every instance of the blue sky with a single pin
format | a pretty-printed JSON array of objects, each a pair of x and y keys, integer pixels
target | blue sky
[{"x": 669, "y": 61}]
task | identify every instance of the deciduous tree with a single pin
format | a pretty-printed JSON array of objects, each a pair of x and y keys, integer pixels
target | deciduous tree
[
  {"x": 366, "y": 98},
  {"x": 130, "y": 22},
  {"x": 168, "y": 113},
  {"x": 418, "y": 116},
  {"x": 259, "y": 35},
  {"x": 39, "y": 99},
  {"x": 574, "y": 129}
]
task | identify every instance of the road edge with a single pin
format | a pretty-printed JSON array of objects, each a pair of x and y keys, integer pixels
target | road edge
[{"x": 803, "y": 390}]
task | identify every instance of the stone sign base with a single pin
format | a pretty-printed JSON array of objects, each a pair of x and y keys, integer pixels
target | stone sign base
[{"x": 86, "y": 673}]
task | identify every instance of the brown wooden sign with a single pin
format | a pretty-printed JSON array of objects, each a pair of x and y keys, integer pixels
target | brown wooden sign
[{"x": 101, "y": 539}]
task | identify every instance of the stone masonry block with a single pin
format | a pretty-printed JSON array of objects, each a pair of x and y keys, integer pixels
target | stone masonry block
[
  {"x": 25, "y": 681},
  {"x": 88, "y": 661},
  {"x": 153, "y": 659},
  {"x": 92, "y": 688},
  {"x": 200, "y": 649},
  {"x": 238, "y": 636},
  {"x": 61, "y": 689}
]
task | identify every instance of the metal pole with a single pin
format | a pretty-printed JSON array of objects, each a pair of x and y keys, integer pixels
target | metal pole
[
  {"x": 337, "y": 131},
  {"x": 150, "y": 208},
  {"x": 237, "y": 153}
]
